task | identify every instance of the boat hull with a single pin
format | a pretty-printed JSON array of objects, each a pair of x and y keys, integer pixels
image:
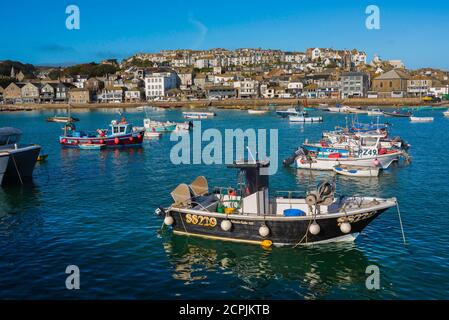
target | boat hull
[
  {"x": 329, "y": 163},
  {"x": 4, "y": 158},
  {"x": 134, "y": 139},
  {"x": 365, "y": 172},
  {"x": 301, "y": 119},
  {"x": 284, "y": 231},
  {"x": 20, "y": 165}
]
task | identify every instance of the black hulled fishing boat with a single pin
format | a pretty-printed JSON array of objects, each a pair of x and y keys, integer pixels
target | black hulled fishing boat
[{"x": 247, "y": 214}]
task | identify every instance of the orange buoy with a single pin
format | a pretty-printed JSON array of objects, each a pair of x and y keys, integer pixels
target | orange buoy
[{"x": 116, "y": 140}]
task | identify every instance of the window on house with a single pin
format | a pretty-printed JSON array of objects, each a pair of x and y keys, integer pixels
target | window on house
[{"x": 391, "y": 84}]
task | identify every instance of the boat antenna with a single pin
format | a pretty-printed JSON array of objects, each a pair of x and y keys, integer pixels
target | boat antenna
[{"x": 251, "y": 155}]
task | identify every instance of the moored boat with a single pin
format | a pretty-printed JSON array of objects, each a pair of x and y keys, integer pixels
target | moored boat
[
  {"x": 247, "y": 214},
  {"x": 446, "y": 113},
  {"x": 257, "y": 111},
  {"x": 421, "y": 119},
  {"x": 198, "y": 115},
  {"x": 398, "y": 114},
  {"x": 305, "y": 119},
  {"x": 356, "y": 171},
  {"x": 91, "y": 146},
  {"x": 17, "y": 161},
  {"x": 62, "y": 119},
  {"x": 119, "y": 134},
  {"x": 288, "y": 112},
  {"x": 374, "y": 112}
]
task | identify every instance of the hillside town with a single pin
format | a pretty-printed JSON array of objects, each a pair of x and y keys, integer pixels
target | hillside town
[{"x": 220, "y": 74}]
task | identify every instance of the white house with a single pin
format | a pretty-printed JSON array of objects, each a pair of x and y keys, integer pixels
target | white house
[
  {"x": 247, "y": 88},
  {"x": 158, "y": 83}
]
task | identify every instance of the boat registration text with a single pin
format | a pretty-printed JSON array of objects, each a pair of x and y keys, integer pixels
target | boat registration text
[{"x": 201, "y": 220}]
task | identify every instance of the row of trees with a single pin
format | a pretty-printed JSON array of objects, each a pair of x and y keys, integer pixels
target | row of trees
[{"x": 89, "y": 69}]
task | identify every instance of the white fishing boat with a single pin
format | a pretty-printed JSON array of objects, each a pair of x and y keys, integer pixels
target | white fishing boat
[
  {"x": 374, "y": 112},
  {"x": 345, "y": 109},
  {"x": 257, "y": 112},
  {"x": 305, "y": 119},
  {"x": 328, "y": 162},
  {"x": 356, "y": 171},
  {"x": 198, "y": 115},
  {"x": 183, "y": 126},
  {"x": 421, "y": 119}
]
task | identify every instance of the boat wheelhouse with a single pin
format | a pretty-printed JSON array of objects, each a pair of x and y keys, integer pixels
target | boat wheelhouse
[
  {"x": 248, "y": 214},
  {"x": 120, "y": 134}
]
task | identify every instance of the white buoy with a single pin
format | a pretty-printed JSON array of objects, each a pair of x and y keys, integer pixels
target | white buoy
[
  {"x": 168, "y": 220},
  {"x": 314, "y": 228},
  {"x": 264, "y": 231},
  {"x": 226, "y": 225},
  {"x": 345, "y": 227}
]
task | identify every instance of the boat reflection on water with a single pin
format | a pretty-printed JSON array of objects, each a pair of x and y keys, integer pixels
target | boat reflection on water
[
  {"x": 313, "y": 272},
  {"x": 18, "y": 198}
]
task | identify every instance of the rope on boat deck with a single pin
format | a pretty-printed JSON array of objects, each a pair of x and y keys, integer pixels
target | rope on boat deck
[
  {"x": 17, "y": 169},
  {"x": 400, "y": 222},
  {"x": 307, "y": 230}
]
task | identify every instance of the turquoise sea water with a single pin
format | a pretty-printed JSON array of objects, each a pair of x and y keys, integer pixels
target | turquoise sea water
[{"x": 95, "y": 210}]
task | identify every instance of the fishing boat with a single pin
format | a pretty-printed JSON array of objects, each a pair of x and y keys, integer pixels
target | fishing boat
[
  {"x": 324, "y": 160},
  {"x": 247, "y": 214},
  {"x": 91, "y": 146},
  {"x": 62, "y": 119},
  {"x": 119, "y": 134},
  {"x": 184, "y": 126},
  {"x": 356, "y": 171},
  {"x": 288, "y": 112},
  {"x": 374, "y": 112},
  {"x": 398, "y": 114},
  {"x": 446, "y": 113},
  {"x": 198, "y": 115},
  {"x": 17, "y": 161},
  {"x": 152, "y": 135},
  {"x": 257, "y": 112},
  {"x": 339, "y": 109},
  {"x": 421, "y": 119},
  {"x": 158, "y": 126},
  {"x": 305, "y": 119}
]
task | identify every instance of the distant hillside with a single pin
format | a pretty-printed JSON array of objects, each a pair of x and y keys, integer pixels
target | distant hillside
[
  {"x": 6, "y": 65},
  {"x": 88, "y": 69}
]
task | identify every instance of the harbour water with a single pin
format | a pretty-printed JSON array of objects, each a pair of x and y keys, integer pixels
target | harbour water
[{"x": 96, "y": 210}]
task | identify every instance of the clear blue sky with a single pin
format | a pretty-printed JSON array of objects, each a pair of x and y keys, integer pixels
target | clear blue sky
[{"x": 35, "y": 32}]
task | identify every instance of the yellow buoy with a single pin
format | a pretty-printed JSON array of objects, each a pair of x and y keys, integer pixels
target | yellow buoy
[
  {"x": 229, "y": 210},
  {"x": 266, "y": 243}
]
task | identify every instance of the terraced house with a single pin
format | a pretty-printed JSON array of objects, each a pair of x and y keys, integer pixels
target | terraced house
[
  {"x": 31, "y": 92},
  {"x": 13, "y": 93}
]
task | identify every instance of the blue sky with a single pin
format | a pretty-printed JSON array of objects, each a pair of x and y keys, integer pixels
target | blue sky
[{"x": 35, "y": 32}]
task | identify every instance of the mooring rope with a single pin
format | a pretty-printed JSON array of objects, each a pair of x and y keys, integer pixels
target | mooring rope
[
  {"x": 400, "y": 222},
  {"x": 17, "y": 169}
]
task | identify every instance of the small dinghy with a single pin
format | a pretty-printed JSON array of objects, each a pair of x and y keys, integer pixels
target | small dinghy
[
  {"x": 356, "y": 171},
  {"x": 152, "y": 135},
  {"x": 257, "y": 112},
  {"x": 305, "y": 119},
  {"x": 421, "y": 119},
  {"x": 398, "y": 114},
  {"x": 446, "y": 113},
  {"x": 91, "y": 146}
]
